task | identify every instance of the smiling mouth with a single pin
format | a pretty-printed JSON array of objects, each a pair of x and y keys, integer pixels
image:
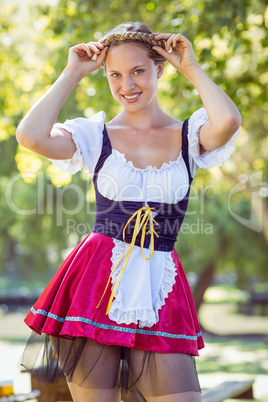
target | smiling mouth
[{"x": 132, "y": 97}]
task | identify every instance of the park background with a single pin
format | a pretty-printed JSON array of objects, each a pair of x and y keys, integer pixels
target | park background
[{"x": 44, "y": 213}]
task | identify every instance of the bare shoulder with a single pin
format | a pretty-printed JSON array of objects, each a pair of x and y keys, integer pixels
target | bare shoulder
[
  {"x": 173, "y": 123},
  {"x": 168, "y": 123},
  {"x": 115, "y": 122}
]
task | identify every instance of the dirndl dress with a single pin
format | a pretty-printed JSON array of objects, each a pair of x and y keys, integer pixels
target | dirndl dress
[{"x": 124, "y": 283}]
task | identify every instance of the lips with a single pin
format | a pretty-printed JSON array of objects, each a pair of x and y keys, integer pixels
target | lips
[{"x": 130, "y": 98}]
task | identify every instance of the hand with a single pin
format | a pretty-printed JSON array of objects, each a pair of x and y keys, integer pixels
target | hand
[
  {"x": 179, "y": 51},
  {"x": 81, "y": 60}
]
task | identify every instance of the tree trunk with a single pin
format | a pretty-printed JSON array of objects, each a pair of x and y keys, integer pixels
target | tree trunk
[
  {"x": 204, "y": 281},
  {"x": 260, "y": 207}
]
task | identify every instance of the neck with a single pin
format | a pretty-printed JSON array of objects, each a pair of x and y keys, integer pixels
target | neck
[{"x": 143, "y": 119}]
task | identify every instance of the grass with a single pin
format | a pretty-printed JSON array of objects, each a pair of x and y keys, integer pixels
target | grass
[
  {"x": 234, "y": 360},
  {"x": 226, "y": 293},
  {"x": 233, "y": 356}
]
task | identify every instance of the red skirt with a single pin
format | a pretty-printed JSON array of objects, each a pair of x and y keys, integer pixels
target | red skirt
[{"x": 68, "y": 306}]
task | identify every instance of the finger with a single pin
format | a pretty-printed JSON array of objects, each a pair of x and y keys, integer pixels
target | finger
[
  {"x": 162, "y": 52},
  {"x": 97, "y": 44},
  {"x": 175, "y": 41},
  {"x": 94, "y": 43},
  {"x": 81, "y": 49},
  {"x": 180, "y": 38},
  {"x": 169, "y": 42},
  {"x": 93, "y": 47},
  {"x": 102, "y": 55},
  {"x": 162, "y": 36}
]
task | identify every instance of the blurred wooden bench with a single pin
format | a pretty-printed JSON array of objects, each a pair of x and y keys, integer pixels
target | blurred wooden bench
[
  {"x": 260, "y": 300},
  {"x": 51, "y": 392},
  {"x": 229, "y": 390},
  {"x": 20, "y": 397}
]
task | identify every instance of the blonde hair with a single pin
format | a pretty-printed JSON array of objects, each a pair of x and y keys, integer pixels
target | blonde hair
[{"x": 135, "y": 33}]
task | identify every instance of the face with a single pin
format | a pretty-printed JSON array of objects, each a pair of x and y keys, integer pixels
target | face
[{"x": 132, "y": 76}]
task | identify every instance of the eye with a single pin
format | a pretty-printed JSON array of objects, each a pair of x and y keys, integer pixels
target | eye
[
  {"x": 115, "y": 75},
  {"x": 138, "y": 72}
]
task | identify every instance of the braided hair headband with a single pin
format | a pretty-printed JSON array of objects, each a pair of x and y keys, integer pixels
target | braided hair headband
[{"x": 135, "y": 36}]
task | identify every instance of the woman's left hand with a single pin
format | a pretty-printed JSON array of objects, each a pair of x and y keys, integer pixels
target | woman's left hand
[{"x": 179, "y": 51}]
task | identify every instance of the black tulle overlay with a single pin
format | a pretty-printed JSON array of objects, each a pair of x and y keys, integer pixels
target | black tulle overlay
[{"x": 98, "y": 366}]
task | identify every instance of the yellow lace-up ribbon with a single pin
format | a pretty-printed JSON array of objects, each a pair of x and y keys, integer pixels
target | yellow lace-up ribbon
[{"x": 143, "y": 216}]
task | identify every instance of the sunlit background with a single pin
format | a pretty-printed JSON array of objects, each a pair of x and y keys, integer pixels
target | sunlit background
[{"x": 44, "y": 213}]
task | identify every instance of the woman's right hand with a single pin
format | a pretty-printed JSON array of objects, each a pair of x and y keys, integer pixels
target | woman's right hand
[
  {"x": 36, "y": 131},
  {"x": 81, "y": 60}
]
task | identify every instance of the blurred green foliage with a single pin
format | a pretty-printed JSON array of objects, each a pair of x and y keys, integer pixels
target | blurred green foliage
[
  {"x": 230, "y": 44},
  {"x": 233, "y": 356}
]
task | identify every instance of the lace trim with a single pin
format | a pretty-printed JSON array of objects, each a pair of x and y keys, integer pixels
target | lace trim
[
  {"x": 74, "y": 164},
  {"x": 166, "y": 165},
  {"x": 144, "y": 317},
  {"x": 210, "y": 158}
]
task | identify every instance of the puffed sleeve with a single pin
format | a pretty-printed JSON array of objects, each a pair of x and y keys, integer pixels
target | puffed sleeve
[
  {"x": 87, "y": 136},
  {"x": 210, "y": 158}
]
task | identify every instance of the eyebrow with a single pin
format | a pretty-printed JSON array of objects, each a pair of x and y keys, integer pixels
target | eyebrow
[{"x": 134, "y": 68}]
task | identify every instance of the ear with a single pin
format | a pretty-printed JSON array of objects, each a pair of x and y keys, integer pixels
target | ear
[{"x": 160, "y": 69}]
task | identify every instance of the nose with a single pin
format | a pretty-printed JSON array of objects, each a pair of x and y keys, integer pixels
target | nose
[{"x": 128, "y": 84}]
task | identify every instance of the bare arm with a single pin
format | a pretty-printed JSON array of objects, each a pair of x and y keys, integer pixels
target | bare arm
[
  {"x": 224, "y": 117},
  {"x": 36, "y": 131}
]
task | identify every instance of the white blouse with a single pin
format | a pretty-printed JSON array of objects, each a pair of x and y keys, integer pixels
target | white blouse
[
  {"x": 87, "y": 135},
  {"x": 119, "y": 180}
]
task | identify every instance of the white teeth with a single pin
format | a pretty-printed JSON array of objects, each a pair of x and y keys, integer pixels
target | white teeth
[{"x": 131, "y": 97}]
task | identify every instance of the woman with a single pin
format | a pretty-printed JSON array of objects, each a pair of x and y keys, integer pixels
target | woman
[{"x": 119, "y": 312}]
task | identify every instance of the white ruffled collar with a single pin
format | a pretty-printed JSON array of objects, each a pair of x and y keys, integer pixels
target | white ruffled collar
[{"x": 166, "y": 165}]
